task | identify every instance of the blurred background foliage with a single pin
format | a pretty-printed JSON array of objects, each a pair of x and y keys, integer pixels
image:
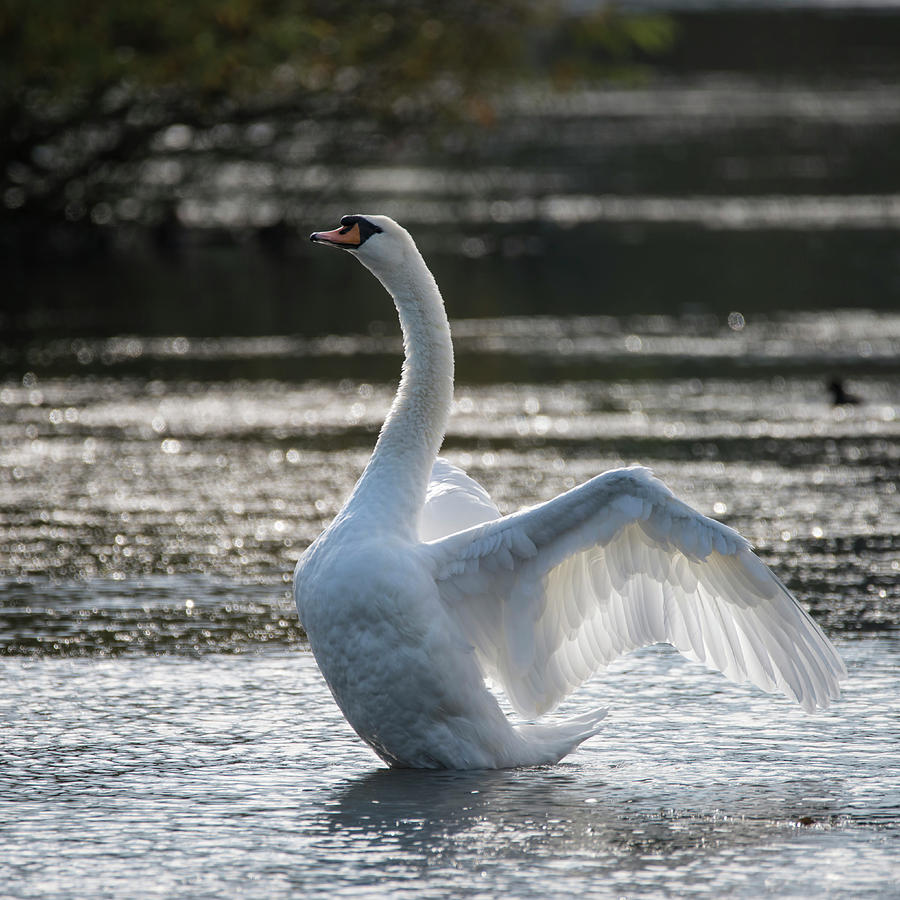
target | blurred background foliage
[{"x": 87, "y": 87}]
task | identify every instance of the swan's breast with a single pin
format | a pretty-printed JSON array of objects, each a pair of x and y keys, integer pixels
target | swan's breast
[
  {"x": 360, "y": 598},
  {"x": 393, "y": 658}
]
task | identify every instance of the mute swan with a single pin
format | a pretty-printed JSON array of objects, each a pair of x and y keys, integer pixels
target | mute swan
[{"x": 419, "y": 590}]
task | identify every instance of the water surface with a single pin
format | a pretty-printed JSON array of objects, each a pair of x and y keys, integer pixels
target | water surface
[
  {"x": 180, "y": 777},
  {"x": 671, "y": 274},
  {"x": 165, "y": 730}
]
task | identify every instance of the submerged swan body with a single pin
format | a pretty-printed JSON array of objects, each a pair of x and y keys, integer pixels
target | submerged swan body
[{"x": 419, "y": 590}]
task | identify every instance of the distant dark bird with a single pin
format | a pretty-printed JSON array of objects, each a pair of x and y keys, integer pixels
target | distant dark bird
[{"x": 839, "y": 397}]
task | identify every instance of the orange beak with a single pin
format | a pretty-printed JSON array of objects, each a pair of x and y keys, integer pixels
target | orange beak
[{"x": 347, "y": 237}]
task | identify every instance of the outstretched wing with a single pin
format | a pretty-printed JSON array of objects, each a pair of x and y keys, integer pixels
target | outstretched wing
[{"x": 551, "y": 594}]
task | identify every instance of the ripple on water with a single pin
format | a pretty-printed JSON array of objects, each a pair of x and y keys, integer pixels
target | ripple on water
[
  {"x": 131, "y": 479},
  {"x": 225, "y": 774}
]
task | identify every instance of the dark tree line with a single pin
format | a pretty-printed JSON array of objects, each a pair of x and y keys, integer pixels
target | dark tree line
[{"x": 88, "y": 87}]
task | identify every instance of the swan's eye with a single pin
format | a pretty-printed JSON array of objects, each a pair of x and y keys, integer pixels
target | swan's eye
[
  {"x": 353, "y": 233},
  {"x": 366, "y": 228}
]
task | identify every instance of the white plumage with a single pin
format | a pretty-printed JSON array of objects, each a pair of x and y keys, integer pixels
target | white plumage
[{"x": 419, "y": 590}]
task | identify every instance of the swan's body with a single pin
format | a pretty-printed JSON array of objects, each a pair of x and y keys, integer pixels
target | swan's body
[{"x": 418, "y": 590}]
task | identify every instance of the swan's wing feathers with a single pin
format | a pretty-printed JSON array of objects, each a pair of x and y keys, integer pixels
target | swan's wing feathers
[
  {"x": 551, "y": 594},
  {"x": 453, "y": 501}
]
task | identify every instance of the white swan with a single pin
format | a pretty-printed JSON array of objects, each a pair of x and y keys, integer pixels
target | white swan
[{"x": 418, "y": 590}]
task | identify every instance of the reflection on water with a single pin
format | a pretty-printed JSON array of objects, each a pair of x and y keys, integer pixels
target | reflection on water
[
  {"x": 710, "y": 186},
  {"x": 662, "y": 152}
]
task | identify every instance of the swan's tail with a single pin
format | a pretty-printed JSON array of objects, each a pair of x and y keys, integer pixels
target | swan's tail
[{"x": 551, "y": 743}]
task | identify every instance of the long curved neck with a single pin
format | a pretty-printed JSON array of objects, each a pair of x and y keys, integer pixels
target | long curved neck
[{"x": 392, "y": 487}]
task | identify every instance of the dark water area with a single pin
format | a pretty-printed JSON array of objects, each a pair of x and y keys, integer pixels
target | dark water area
[
  {"x": 671, "y": 270},
  {"x": 590, "y": 269},
  {"x": 813, "y": 38},
  {"x": 752, "y": 168}
]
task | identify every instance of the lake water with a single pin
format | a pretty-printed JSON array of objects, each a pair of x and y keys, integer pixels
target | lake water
[
  {"x": 236, "y": 775},
  {"x": 165, "y": 729},
  {"x": 670, "y": 274}
]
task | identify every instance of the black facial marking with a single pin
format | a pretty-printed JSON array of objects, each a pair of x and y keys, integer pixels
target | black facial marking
[{"x": 366, "y": 228}]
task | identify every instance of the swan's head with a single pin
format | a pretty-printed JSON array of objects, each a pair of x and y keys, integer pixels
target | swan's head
[{"x": 380, "y": 243}]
